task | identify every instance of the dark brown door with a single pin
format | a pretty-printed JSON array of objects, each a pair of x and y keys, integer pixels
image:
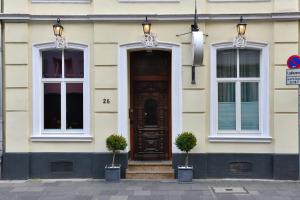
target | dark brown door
[{"x": 150, "y": 105}]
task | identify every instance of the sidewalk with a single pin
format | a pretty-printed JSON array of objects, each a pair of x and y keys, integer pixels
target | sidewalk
[{"x": 86, "y": 189}]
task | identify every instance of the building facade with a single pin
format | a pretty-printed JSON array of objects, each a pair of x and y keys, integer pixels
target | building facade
[{"x": 60, "y": 104}]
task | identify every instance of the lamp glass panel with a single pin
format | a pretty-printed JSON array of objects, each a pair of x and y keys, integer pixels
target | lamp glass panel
[
  {"x": 146, "y": 28},
  {"x": 241, "y": 29}
]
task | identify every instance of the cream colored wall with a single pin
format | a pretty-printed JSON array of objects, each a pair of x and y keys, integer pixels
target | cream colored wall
[
  {"x": 116, "y": 7},
  {"x": 286, "y": 43},
  {"x": 104, "y": 39}
]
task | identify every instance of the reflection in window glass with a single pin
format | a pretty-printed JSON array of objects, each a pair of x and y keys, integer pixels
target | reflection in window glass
[
  {"x": 226, "y": 63},
  {"x": 52, "y": 64},
  {"x": 74, "y": 106},
  {"x": 249, "y": 107},
  {"x": 52, "y": 106},
  {"x": 226, "y": 106},
  {"x": 73, "y": 64},
  {"x": 249, "y": 63}
]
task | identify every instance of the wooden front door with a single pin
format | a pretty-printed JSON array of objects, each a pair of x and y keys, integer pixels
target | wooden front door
[{"x": 150, "y": 105}]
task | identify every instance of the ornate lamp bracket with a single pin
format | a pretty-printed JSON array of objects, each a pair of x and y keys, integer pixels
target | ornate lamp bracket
[
  {"x": 150, "y": 40},
  {"x": 239, "y": 41},
  {"x": 60, "y": 42}
]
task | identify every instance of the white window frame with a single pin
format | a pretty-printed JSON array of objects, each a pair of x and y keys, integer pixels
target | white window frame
[
  {"x": 237, "y": 1},
  {"x": 241, "y": 136},
  {"x": 39, "y": 133},
  {"x": 62, "y": 1},
  {"x": 149, "y": 1}
]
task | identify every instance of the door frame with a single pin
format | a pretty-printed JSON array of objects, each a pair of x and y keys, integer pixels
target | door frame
[{"x": 124, "y": 89}]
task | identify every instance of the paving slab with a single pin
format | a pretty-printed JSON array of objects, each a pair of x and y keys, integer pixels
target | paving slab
[{"x": 87, "y": 189}]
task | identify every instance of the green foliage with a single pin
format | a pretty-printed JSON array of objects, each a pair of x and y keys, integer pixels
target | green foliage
[
  {"x": 186, "y": 141},
  {"x": 116, "y": 143}
]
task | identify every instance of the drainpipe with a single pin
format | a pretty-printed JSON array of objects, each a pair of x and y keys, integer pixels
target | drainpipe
[{"x": 1, "y": 92}]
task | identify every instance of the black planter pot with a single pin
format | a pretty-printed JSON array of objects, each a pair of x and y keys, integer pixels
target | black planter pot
[
  {"x": 185, "y": 174},
  {"x": 113, "y": 174}
]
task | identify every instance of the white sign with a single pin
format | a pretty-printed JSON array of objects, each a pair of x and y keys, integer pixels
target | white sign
[
  {"x": 293, "y": 76},
  {"x": 197, "y": 47}
]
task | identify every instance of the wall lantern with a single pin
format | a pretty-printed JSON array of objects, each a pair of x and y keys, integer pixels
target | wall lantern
[
  {"x": 241, "y": 27},
  {"x": 58, "y": 29},
  {"x": 240, "y": 40},
  {"x": 146, "y": 26},
  {"x": 149, "y": 37}
]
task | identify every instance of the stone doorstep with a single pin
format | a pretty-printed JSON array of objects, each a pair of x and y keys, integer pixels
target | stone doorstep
[
  {"x": 150, "y": 170},
  {"x": 150, "y": 166},
  {"x": 149, "y": 175},
  {"x": 147, "y": 163}
]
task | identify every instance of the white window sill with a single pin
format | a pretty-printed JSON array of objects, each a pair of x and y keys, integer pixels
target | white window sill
[
  {"x": 61, "y": 1},
  {"x": 62, "y": 138},
  {"x": 220, "y": 1},
  {"x": 244, "y": 139},
  {"x": 149, "y": 1}
]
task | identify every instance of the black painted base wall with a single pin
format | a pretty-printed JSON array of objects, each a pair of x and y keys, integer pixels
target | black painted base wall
[
  {"x": 255, "y": 166},
  {"x": 91, "y": 165},
  {"x": 59, "y": 165}
]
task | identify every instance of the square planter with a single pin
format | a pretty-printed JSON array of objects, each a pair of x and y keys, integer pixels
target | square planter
[
  {"x": 185, "y": 174},
  {"x": 113, "y": 174}
]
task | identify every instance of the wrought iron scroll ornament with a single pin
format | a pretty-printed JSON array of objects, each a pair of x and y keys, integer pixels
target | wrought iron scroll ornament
[
  {"x": 60, "y": 42},
  {"x": 150, "y": 40},
  {"x": 240, "y": 41}
]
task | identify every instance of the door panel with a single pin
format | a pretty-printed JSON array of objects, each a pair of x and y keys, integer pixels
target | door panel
[
  {"x": 151, "y": 121},
  {"x": 150, "y": 105}
]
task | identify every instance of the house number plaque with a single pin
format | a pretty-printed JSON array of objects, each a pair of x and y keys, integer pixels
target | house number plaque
[{"x": 106, "y": 101}]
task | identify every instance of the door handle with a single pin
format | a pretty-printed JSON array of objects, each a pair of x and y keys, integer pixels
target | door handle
[{"x": 131, "y": 113}]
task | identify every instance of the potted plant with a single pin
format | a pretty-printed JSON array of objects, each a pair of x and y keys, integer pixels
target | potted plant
[
  {"x": 114, "y": 143},
  {"x": 186, "y": 141}
]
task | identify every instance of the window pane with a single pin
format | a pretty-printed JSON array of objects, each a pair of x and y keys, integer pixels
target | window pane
[
  {"x": 74, "y": 106},
  {"x": 226, "y": 106},
  {"x": 250, "y": 106},
  {"x": 226, "y": 63},
  {"x": 52, "y": 105},
  {"x": 73, "y": 64},
  {"x": 249, "y": 63},
  {"x": 52, "y": 63},
  {"x": 155, "y": 62}
]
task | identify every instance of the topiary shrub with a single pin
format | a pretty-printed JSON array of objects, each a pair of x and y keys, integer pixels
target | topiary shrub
[
  {"x": 186, "y": 141},
  {"x": 115, "y": 143}
]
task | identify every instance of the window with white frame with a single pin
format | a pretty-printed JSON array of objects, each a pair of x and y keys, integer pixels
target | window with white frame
[
  {"x": 61, "y": 93},
  {"x": 239, "y": 93}
]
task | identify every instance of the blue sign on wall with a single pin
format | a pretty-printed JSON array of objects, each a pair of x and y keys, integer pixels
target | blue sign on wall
[{"x": 293, "y": 62}]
